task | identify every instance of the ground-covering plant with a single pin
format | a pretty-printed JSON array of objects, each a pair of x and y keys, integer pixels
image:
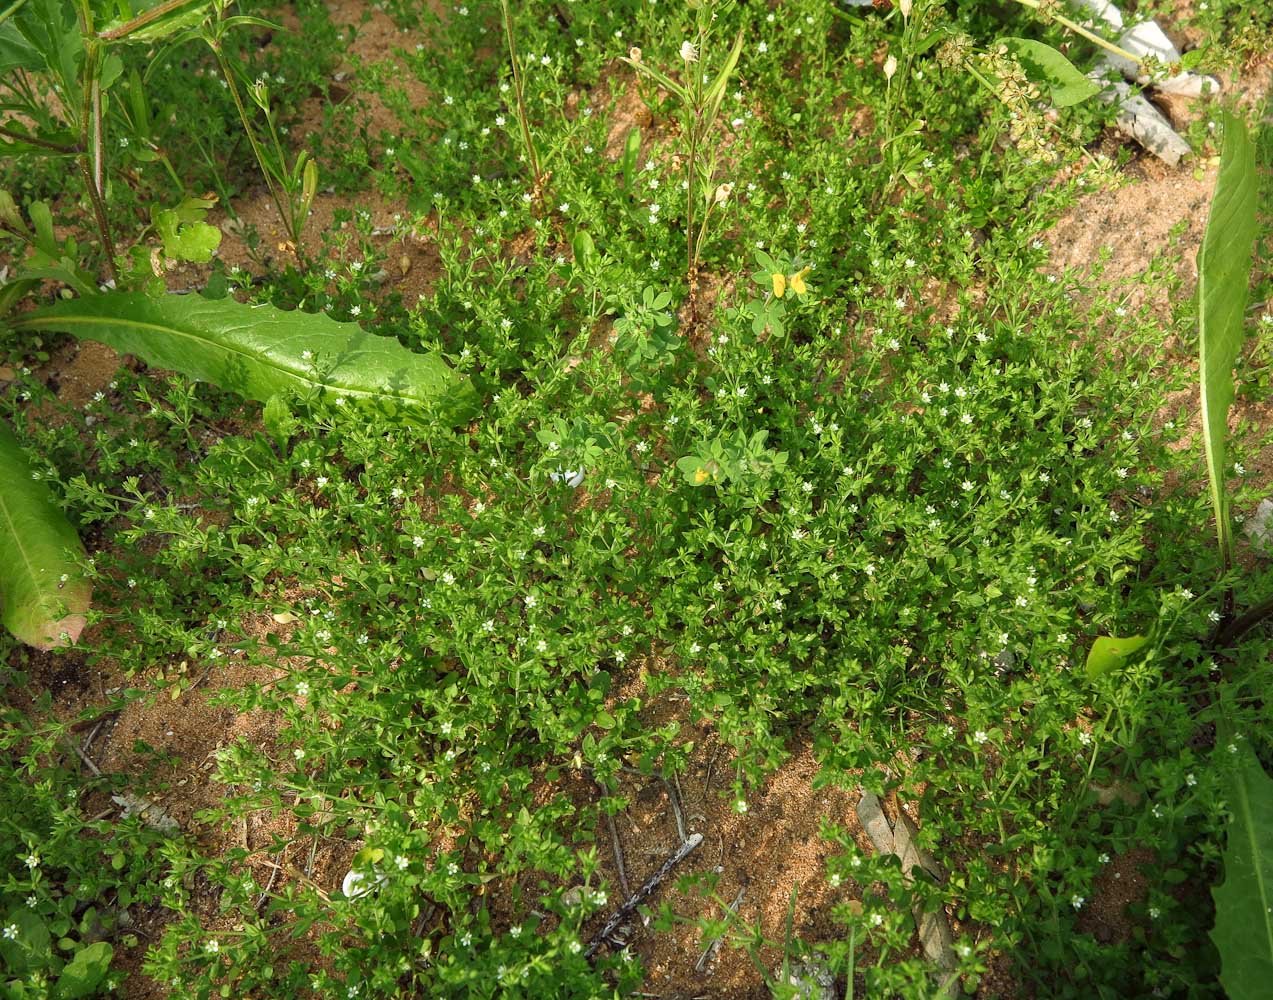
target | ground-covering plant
[{"x": 876, "y": 489}]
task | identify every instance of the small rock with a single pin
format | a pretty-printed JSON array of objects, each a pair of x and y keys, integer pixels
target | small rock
[{"x": 812, "y": 978}]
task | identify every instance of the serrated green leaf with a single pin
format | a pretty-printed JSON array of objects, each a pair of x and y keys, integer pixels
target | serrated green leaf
[
  {"x": 38, "y": 548},
  {"x": 185, "y": 238},
  {"x": 1243, "y": 932},
  {"x": 1224, "y": 270},
  {"x": 1044, "y": 64},
  {"x": 258, "y": 351},
  {"x": 1110, "y": 652}
]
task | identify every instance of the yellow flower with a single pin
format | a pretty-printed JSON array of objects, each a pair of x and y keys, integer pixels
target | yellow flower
[
  {"x": 780, "y": 284},
  {"x": 701, "y": 476},
  {"x": 797, "y": 281}
]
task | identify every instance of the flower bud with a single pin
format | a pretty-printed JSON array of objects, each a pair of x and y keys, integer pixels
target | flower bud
[
  {"x": 689, "y": 52},
  {"x": 634, "y": 54},
  {"x": 905, "y": 7},
  {"x": 890, "y": 67},
  {"x": 722, "y": 193}
]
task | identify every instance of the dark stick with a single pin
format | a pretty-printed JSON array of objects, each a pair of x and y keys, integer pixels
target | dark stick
[
  {"x": 618, "y": 854},
  {"x": 642, "y": 894},
  {"x": 676, "y": 808}
]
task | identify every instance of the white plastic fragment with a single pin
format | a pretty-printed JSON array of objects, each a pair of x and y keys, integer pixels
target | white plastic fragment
[
  {"x": 1143, "y": 40},
  {"x": 1104, "y": 10},
  {"x": 1143, "y": 122},
  {"x": 571, "y": 477},
  {"x": 154, "y": 816},
  {"x": 1257, "y": 525},
  {"x": 1188, "y": 85},
  {"x": 1137, "y": 118},
  {"x": 358, "y": 883}
]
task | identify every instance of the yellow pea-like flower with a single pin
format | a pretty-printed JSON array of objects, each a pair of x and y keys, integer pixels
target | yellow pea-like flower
[
  {"x": 701, "y": 476},
  {"x": 797, "y": 281},
  {"x": 780, "y": 284}
]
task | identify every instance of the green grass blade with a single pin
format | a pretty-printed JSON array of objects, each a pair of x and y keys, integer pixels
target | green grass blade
[
  {"x": 43, "y": 591},
  {"x": 1224, "y": 270},
  {"x": 260, "y": 351},
  {"x": 1243, "y": 932}
]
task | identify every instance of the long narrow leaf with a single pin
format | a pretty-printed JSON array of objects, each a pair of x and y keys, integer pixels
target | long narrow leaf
[
  {"x": 1224, "y": 270},
  {"x": 1243, "y": 933},
  {"x": 261, "y": 351},
  {"x": 43, "y": 591}
]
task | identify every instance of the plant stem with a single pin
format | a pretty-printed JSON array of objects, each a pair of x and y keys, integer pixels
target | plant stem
[
  {"x": 99, "y": 213},
  {"x": 141, "y": 20},
  {"x": 91, "y": 168},
  {"x": 228, "y": 75},
  {"x": 536, "y": 175},
  {"x": 1091, "y": 36},
  {"x": 54, "y": 147},
  {"x": 1240, "y": 626}
]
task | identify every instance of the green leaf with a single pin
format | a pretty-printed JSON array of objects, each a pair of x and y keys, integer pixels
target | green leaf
[
  {"x": 1110, "y": 652},
  {"x": 1224, "y": 270},
  {"x": 278, "y": 418},
  {"x": 1243, "y": 933},
  {"x": 84, "y": 973},
  {"x": 258, "y": 351},
  {"x": 186, "y": 236},
  {"x": 1044, "y": 64},
  {"x": 38, "y": 548},
  {"x": 584, "y": 249}
]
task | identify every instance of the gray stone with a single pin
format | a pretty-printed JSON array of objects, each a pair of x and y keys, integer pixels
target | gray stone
[{"x": 812, "y": 978}]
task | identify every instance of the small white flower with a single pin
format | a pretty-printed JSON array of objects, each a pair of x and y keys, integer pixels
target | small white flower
[
  {"x": 11, "y": 932},
  {"x": 212, "y": 947},
  {"x": 1077, "y": 901},
  {"x": 740, "y": 806},
  {"x": 980, "y": 736}
]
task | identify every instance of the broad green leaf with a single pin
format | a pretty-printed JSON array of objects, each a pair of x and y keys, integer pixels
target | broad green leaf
[
  {"x": 1243, "y": 933},
  {"x": 83, "y": 974},
  {"x": 258, "y": 351},
  {"x": 1109, "y": 652},
  {"x": 1224, "y": 270},
  {"x": 585, "y": 250},
  {"x": 158, "y": 22},
  {"x": 1044, "y": 64},
  {"x": 43, "y": 591},
  {"x": 631, "y": 150},
  {"x": 278, "y": 419}
]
